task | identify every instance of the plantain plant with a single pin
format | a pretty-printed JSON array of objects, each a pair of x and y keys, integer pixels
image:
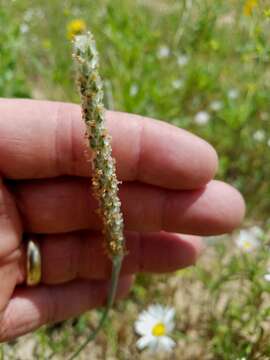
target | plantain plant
[{"x": 104, "y": 181}]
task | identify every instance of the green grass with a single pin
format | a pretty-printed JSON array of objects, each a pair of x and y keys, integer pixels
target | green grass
[{"x": 225, "y": 50}]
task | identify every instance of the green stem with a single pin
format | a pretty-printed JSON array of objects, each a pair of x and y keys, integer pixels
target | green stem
[
  {"x": 2, "y": 354},
  {"x": 116, "y": 267}
]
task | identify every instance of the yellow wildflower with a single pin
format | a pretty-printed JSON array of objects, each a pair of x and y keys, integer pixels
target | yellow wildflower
[
  {"x": 266, "y": 13},
  {"x": 251, "y": 87},
  {"x": 249, "y": 7},
  {"x": 75, "y": 27},
  {"x": 214, "y": 44},
  {"x": 46, "y": 43}
]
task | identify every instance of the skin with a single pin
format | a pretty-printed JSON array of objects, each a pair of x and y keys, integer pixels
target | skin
[{"x": 169, "y": 199}]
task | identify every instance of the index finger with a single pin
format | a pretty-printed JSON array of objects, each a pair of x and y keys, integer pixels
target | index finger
[{"x": 41, "y": 139}]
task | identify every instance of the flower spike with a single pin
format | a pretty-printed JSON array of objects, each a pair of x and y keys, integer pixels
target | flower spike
[{"x": 104, "y": 181}]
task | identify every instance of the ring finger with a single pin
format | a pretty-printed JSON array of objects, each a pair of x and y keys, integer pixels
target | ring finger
[{"x": 82, "y": 255}]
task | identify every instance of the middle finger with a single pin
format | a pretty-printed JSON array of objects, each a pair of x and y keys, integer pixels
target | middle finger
[{"x": 66, "y": 204}]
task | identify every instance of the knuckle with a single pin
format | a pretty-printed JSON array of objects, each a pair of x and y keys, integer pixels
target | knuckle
[{"x": 68, "y": 149}]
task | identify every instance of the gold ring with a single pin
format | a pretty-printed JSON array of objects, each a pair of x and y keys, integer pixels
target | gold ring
[{"x": 33, "y": 263}]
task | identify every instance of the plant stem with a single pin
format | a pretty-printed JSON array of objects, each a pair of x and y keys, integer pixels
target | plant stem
[{"x": 116, "y": 267}]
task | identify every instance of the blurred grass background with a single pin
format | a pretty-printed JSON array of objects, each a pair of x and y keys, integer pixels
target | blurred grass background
[
  {"x": 202, "y": 65},
  {"x": 209, "y": 49}
]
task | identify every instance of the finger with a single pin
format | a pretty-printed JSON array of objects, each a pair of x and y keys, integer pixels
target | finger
[
  {"x": 31, "y": 308},
  {"x": 11, "y": 273},
  {"x": 67, "y": 257},
  {"x": 64, "y": 205},
  {"x": 10, "y": 237},
  {"x": 10, "y": 224},
  {"x": 46, "y": 139}
]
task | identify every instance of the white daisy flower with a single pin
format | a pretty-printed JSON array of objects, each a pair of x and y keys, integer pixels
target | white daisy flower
[
  {"x": 29, "y": 14},
  {"x": 256, "y": 231},
  {"x": 133, "y": 91},
  {"x": 259, "y": 135},
  {"x": 233, "y": 94},
  {"x": 177, "y": 84},
  {"x": 267, "y": 276},
  {"x": 182, "y": 60},
  {"x": 202, "y": 118},
  {"x": 154, "y": 325},
  {"x": 216, "y": 105},
  {"x": 249, "y": 239},
  {"x": 24, "y": 28},
  {"x": 163, "y": 52}
]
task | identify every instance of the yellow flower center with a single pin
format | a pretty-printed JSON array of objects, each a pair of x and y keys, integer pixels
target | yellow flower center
[
  {"x": 159, "y": 329},
  {"x": 247, "y": 245}
]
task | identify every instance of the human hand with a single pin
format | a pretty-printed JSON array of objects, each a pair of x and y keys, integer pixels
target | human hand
[{"x": 167, "y": 189}]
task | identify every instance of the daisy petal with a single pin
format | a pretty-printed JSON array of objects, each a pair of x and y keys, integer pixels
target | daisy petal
[
  {"x": 170, "y": 326},
  {"x": 144, "y": 327},
  {"x": 166, "y": 343},
  {"x": 169, "y": 315},
  {"x": 143, "y": 342},
  {"x": 153, "y": 344},
  {"x": 141, "y": 328}
]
